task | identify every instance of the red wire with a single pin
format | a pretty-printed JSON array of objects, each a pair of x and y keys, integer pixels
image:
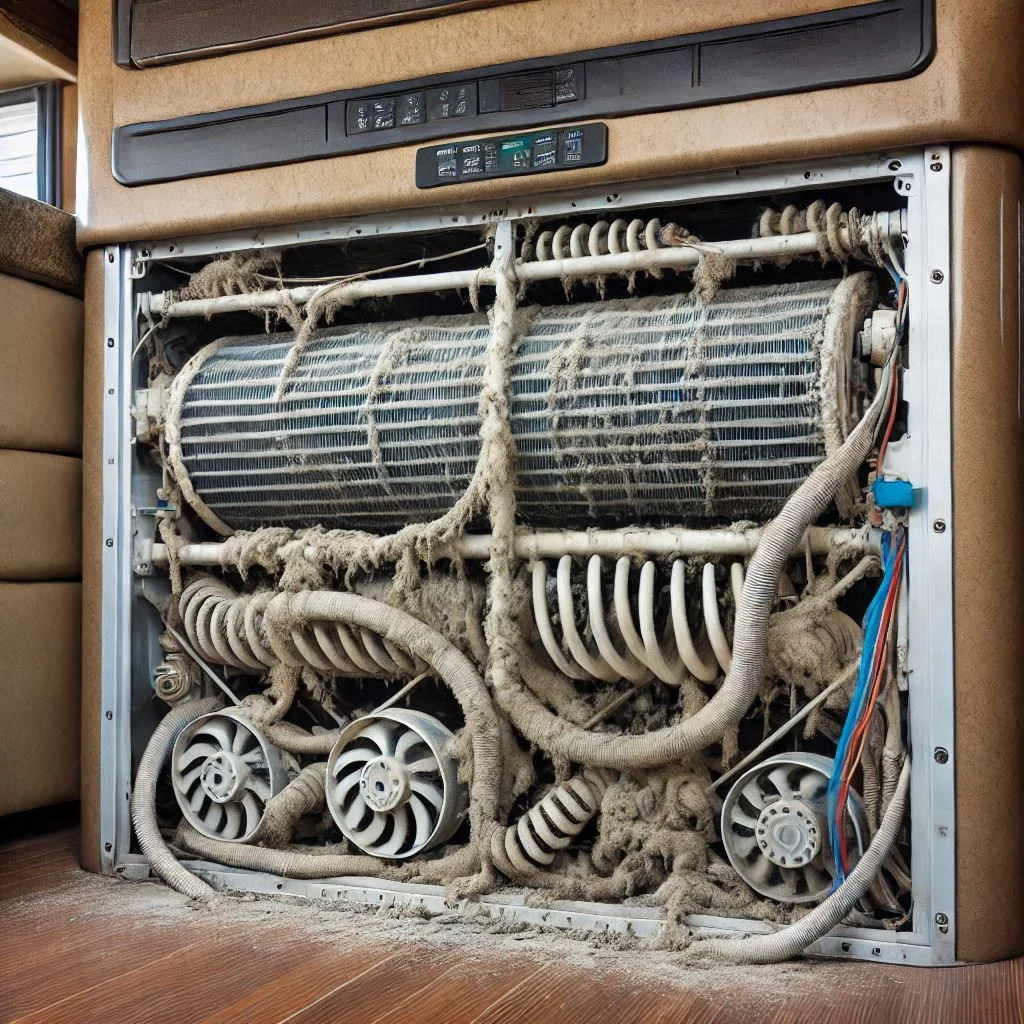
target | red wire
[{"x": 859, "y": 735}]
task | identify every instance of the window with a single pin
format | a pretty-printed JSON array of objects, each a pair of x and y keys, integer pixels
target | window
[{"x": 30, "y": 142}]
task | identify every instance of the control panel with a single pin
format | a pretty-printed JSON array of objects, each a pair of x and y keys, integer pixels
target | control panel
[{"x": 556, "y": 149}]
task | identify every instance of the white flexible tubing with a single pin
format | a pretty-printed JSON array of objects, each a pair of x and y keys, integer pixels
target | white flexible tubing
[
  {"x": 705, "y": 671},
  {"x": 712, "y": 620},
  {"x": 626, "y": 666},
  {"x": 737, "y": 693},
  {"x": 143, "y": 805},
  {"x": 672, "y": 672},
  {"x": 792, "y": 941},
  {"x": 547, "y": 634},
  {"x": 594, "y": 666},
  {"x": 624, "y": 613}
]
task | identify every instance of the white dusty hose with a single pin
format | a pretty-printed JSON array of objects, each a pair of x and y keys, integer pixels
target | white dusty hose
[
  {"x": 147, "y": 830},
  {"x": 607, "y": 750},
  {"x": 792, "y": 941}
]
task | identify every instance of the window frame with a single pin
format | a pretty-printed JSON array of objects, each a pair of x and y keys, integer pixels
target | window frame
[{"x": 47, "y": 98}]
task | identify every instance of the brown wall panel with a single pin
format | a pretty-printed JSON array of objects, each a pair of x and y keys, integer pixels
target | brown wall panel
[
  {"x": 988, "y": 552},
  {"x": 92, "y": 560},
  {"x": 961, "y": 96}
]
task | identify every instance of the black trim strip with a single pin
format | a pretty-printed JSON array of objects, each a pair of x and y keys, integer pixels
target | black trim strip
[{"x": 878, "y": 41}]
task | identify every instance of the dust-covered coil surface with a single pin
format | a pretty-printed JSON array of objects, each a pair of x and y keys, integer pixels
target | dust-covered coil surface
[{"x": 657, "y": 409}]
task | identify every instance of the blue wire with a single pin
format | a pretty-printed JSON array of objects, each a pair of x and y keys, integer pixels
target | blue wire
[{"x": 872, "y": 627}]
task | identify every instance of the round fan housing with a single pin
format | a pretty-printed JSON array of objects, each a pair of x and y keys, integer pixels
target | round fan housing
[
  {"x": 775, "y": 828},
  {"x": 391, "y": 787},
  {"x": 224, "y": 771}
]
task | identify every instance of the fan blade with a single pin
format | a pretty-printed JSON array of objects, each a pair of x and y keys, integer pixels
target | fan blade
[
  {"x": 355, "y": 814},
  {"x": 213, "y": 817},
  {"x": 760, "y": 870},
  {"x": 219, "y": 729},
  {"x": 194, "y": 752},
  {"x": 188, "y": 779},
  {"x": 260, "y": 786},
  {"x": 243, "y": 739},
  {"x": 345, "y": 786},
  {"x": 379, "y": 734},
  {"x": 743, "y": 846},
  {"x": 397, "y": 841},
  {"x": 369, "y": 835},
  {"x": 818, "y": 882},
  {"x": 232, "y": 828},
  {"x": 752, "y": 792},
  {"x": 431, "y": 793},
  {"x": 740, "y": 818},
  {"x": 425, "y": 820},
  {"x": 813, "y": 787},
  {"x": 424, "y": 766},
  {"x": 197, "y": 798},
  {"x": 253, "y": 813},
  {"x": 406, "y": 742},
  {"x": 253, "y": 756},
  {"x": 780, "y": 780},
  {"x": 357, "y": 756}
]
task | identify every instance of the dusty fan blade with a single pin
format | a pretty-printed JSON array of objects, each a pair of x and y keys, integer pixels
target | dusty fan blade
[
  {"x": 219, "y": 730},
  {"x": 752, "y": 793},
  {"x": 213, "y": 817},
  {"x": 242, "y": 741},
  {"x": 379, "y": 734},
  {"x": 356, "y": 814},
  {"x": 743, "y": 845},
  {"x": 813, "y": 787},
  {"x": 260, "y": 786},
  {"x": 233, "y": 821},
  {"x": 189, "y": 779},
  {"x": 431, "y": 793},
  {"x": 406, "y": 742},
  {"x": 424, "y": 766},
  {"x": 195, "y": 801},
  {"x": 424, "y": 818},
  {"x": 373, "y": 831},
  {"x": 344, "y": 786},
  {"x": 194, "y": 752},
  {"x": 780, "y": 780},
  {"x": 400, "y": 816},
  {"x": 253, "y": 812},
  {"x": 740, "y": 818},
  {"x": 355, "y": 756}
]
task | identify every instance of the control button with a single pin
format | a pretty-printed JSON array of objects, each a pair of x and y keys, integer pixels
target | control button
[
  {"x": 451, "y": 101},
  {"x": 568, "y": 83},
  {"x": 572, "y": 146},
  {"x": 412, "y": 108},
  {"x": 545, "y": 150},
  {"x": 515, "y": 154},
  {"x": 471, "y": 159},
  {"x": 492, "y": 160},
  {"x": 371, "y": 115},
  {"x": 447, "y": 161}
]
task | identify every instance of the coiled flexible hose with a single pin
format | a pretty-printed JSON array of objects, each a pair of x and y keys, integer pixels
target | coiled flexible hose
[
  {"x": 550, "y": 825},
  {"x": 160, "y": 858},
  {"x": 792, "y": 941},
  {"x": 733, "y": 700}
]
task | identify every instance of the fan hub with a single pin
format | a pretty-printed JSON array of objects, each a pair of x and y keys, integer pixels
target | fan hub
[
  {"x": 224, "y": 776},
  {"x": 788, "y": 833},
  {"x": 384, "y": 784}
]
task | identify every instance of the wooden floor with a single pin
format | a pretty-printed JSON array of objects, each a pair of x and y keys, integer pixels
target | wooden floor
[{"x": 76, "y": 948}]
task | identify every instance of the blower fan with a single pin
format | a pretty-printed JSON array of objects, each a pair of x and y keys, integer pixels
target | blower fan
[
  {"x": 775, "y": 832},
  {"x": 224, "y": 772},
  {"x": 391, "y": 787}
]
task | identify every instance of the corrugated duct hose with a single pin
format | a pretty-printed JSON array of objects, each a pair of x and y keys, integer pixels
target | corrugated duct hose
[
  {"x": 160, "y": 858},
  {"x": 792, "y": 941},
  {"x": 722, "y": 713}
]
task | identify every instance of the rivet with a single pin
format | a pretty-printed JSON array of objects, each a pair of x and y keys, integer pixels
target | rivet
[
  {"x": 110, "y": 257},
  {"x": 894, "y": 165},
  {"x": 938, "y": 277},
  {"x": 939, "y": 526},
  {"x": 110, "y": 342},
  {"x": 941, "y": 919},
  {"x": 107, "y": 847},
  {"x": 936, "y": 167},
  {"x": 110, "y": 716},
  {"x": 941, "y": 755},
  {"x": 110, "y": 542}
]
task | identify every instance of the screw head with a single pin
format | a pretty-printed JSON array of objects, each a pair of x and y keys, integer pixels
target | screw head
[
  {"x": 937, "y": 277},
  {"x": 936, "y": 167},
  {"x": 941, "y": 755},
  {"x": 110, "y": 542},
  {"x": 939, "y": 526},
  {"x": 107, "y": 847},
  {"x": 110, "y": 342},
  {"x": 894, "y": 165}
]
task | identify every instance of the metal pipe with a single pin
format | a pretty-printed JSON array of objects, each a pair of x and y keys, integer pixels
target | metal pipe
[
  {"x": 534, "y": 544},
  {"x": 682, "y": 257}
]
